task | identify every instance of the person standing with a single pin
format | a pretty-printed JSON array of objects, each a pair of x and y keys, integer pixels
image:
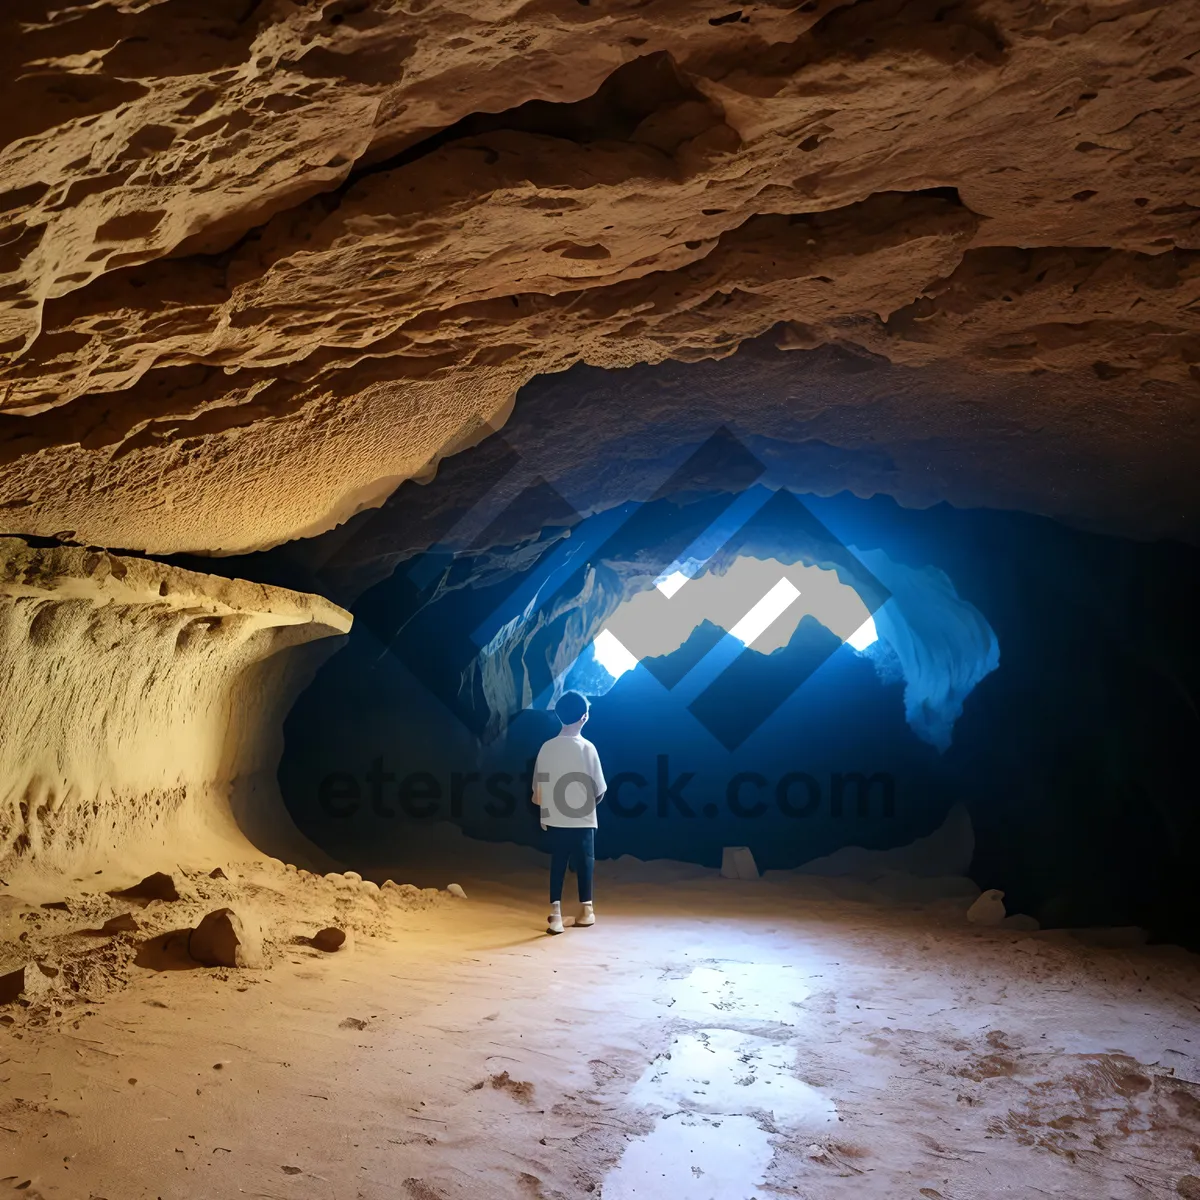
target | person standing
[{"x": 568, "y": 784}]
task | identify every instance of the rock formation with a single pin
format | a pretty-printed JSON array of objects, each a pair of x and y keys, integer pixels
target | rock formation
[
  {"x": 259, "y": 262},
  {"x": 329, "y": 939},
  {"x": 142, "y": 707},
  {"x": 223, "y": 939}
]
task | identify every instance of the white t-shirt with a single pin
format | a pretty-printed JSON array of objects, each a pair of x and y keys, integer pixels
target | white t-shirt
[{"x": 571, "y": 782}]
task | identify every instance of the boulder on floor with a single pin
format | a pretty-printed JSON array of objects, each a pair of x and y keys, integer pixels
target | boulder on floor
[
  {"x": 738, "y": 863},
  {"x": 329, "y": 939},
  {"x": 988, "y": 909},
  {"x": 32, "y": 980},
  {"x": 224, "y": 939},
  {"x": 159, "y": 886}
]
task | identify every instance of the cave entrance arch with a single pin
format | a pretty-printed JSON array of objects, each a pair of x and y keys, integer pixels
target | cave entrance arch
[{"x": 821, "y": 726}]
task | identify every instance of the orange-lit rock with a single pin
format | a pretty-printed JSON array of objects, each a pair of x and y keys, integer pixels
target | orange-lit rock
[
  {"x": 261, "y": 262},
  {"x": 143, "y": 708}
]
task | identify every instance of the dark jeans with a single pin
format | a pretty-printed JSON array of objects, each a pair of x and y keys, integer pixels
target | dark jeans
[{"x": 579, "y": 847}]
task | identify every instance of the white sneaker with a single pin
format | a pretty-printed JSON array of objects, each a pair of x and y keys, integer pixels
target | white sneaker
[
  {"x": 554, "y": 920},
  {"x": 586, "y": 915}
]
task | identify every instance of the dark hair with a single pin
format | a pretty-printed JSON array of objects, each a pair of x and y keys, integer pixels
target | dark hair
[{"x": 570, "y": 707}]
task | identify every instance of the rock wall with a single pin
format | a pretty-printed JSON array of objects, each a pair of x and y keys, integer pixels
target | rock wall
[
  {"x": 261, "y": 261},
  {"x": 820, "y": 425},
  {"x": 143, "y": 709},
  {"x": 942, "y": 644}
]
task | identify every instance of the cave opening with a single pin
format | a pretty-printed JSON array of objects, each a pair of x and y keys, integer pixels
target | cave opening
[
  {"x": 730, "y": 641},
  {"x": 937, "y": 674}
]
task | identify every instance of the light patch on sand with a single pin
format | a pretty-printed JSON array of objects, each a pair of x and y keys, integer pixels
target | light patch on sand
[
  {"x": 736, "y": 1090},
  {"x": 722, "y": 1071},
  {"x": 690, "y": 1157},
  {"x": 1125, "y": 1039},
  {"x": 740, "y": 991}
]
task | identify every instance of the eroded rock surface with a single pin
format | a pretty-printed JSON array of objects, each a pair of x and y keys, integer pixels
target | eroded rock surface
[
  {"x": 142, "y": 707},
  {"x": 260, "y": 262}
]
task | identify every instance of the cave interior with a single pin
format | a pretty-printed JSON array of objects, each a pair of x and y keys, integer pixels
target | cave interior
[{"x": 813, "y": 387}]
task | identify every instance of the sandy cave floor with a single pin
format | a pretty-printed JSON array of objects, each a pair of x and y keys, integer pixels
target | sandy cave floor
[{"x": 706, "y": 1039}]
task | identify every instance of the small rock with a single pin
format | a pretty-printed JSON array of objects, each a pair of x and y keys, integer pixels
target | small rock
[
  {"x": 988, "y": 909},
  {"x": 33, "y": 980},
  {"x": 217, "y": 873},
  {"x": 455, "y": 890},
  {"x": 12, "y": 985},
  {"x": 1022, "y": 922},
  {"x": 329, "y": 939},
  {"x": 353, "y": 876},
  {"x": 369, "y": 887},
  {"x": 737, "y": 862},
  {"x": 159, "y": 886},
  {"x": 334, "y": 877},
  {"x": 352, "y": 1023},
  {"x": 222, "y": 940},
  {"x": 122, "y": 923}
]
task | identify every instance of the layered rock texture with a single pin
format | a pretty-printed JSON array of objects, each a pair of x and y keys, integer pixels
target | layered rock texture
[
  {"x": 142, "y": 711},
  {"x": 261, "y": 261}
]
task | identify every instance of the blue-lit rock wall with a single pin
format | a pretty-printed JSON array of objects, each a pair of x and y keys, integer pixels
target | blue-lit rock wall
[{"x": 1043, "y": 677}]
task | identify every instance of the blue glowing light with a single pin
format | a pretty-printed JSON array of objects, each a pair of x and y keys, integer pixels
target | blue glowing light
[{"x": 760, "y": 602}]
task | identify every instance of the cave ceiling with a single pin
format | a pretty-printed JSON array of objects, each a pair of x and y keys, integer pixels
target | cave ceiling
[{"x": 263, "y": 260}]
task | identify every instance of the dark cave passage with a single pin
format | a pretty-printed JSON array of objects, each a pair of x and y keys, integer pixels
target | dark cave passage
[{"x": 1037, "y": 676}]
